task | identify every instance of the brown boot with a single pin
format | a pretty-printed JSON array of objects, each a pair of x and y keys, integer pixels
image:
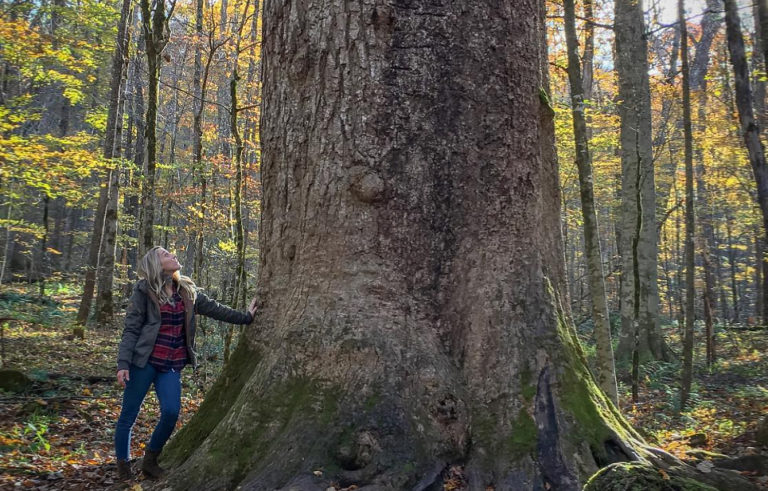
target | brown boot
[
  {"x": 149, "y": 465},
  {"x": 124, "y": 470}
]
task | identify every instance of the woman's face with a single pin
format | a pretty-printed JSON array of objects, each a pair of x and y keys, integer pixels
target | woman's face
[{"x": 168, "y": 261}]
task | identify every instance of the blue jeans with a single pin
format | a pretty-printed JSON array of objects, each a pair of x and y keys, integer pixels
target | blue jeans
[{"x": 168, "y": 390}]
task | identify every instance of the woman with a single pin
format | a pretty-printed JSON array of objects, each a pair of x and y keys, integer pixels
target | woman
[{"x": 158, "y": 341}]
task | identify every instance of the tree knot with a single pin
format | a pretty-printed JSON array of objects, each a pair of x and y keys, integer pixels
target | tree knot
[{"x": 366, "y": 185}]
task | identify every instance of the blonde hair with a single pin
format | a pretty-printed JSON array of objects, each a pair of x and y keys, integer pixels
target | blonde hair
[{"x": 151, "y": 270}]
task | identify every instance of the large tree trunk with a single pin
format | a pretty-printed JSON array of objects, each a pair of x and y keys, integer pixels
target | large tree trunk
[
  {"x": 411, "y": 276},
  {"x": 606, "y": 374},
  {"x": 636, "y": 152},
  {"x": 411, "y": 266}
]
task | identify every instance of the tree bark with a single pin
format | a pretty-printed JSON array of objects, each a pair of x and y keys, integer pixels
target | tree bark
[
  {"x": 690, "y": 230},
  {"x": 636, "y": 151},
  {"x": 759, "y": 63},
  {"x": 411, "y": 279},
  {"x": 606, "y": 374},
  {"x": 8, "y": 241},
  {"x": 750, "y": 129},
  {"x": 758, "y": 71},
  {"x": 587, "y": 59},
  {"x": 761, "y": 26}
]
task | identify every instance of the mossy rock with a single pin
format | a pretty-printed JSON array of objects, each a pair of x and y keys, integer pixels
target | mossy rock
[
  {"x": 14, "y": 380},
  {"x": 636, "y": 476}
]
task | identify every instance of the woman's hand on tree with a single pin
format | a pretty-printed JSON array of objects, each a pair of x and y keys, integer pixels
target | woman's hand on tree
[
  {"x": 123, "y": 377},
  {"x": 252, "y": 309}
]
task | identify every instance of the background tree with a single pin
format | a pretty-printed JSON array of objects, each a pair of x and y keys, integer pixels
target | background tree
[
  {"x": 710, "y": 25},
  {"x": 155, "y": 30},
  {"x": 690, "y": 231},
  {"x": 605, "y": 373},
  {"x": 749, "y": 128},
  {"x": 105, "y": 221},
  {"x": 637, "y": 159}
]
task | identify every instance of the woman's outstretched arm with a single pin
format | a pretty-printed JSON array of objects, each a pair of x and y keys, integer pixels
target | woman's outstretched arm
[{"x": 209, "y": 307}]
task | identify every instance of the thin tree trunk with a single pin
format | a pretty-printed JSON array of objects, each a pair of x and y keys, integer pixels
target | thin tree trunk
[
  {"x": 606, "y": 374},
  {"x": 732, "y": 268},
  {"x": 636, "y": 286},
  {"x": 155, "y": 29},
  {"x": 750, "y": 129},
  {"x": 139, "y": 154},
  {"x": 70, "y": 239},
  {"x": 197, "y": 135},
  {"x": 636, "y": 151},
  {"x": 690, "y": 289},
  {"x": 60, "y": 209},
  {"x": 710, "y": 25},
  {"x": 166, "y": 223},
  {"x": 758, "y": 71},
  {"x": 200, "y": 84},
  {"x": 719, "y": 276},
  {"x": 661, "y": 138},
  {"x": 95, "y": 247},
  {"x": 128, "y": 182},
  {"x": 8, "y": 239},
  {"x": 43, "y": 262},
  {"x": 587, "y": 59},
  {"x": 759, "y": 252},
  {"x": 761, "y": 26},
  {"x": 105, "y": 309},
  {"x": 679, "y": 271},
  {"x": 241, "y": 284}
]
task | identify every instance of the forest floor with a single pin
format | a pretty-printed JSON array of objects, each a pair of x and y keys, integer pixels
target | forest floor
[{"x": 57, "y": 434}]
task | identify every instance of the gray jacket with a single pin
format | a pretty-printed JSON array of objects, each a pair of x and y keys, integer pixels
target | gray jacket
[{"x": 142, "y": 323}]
